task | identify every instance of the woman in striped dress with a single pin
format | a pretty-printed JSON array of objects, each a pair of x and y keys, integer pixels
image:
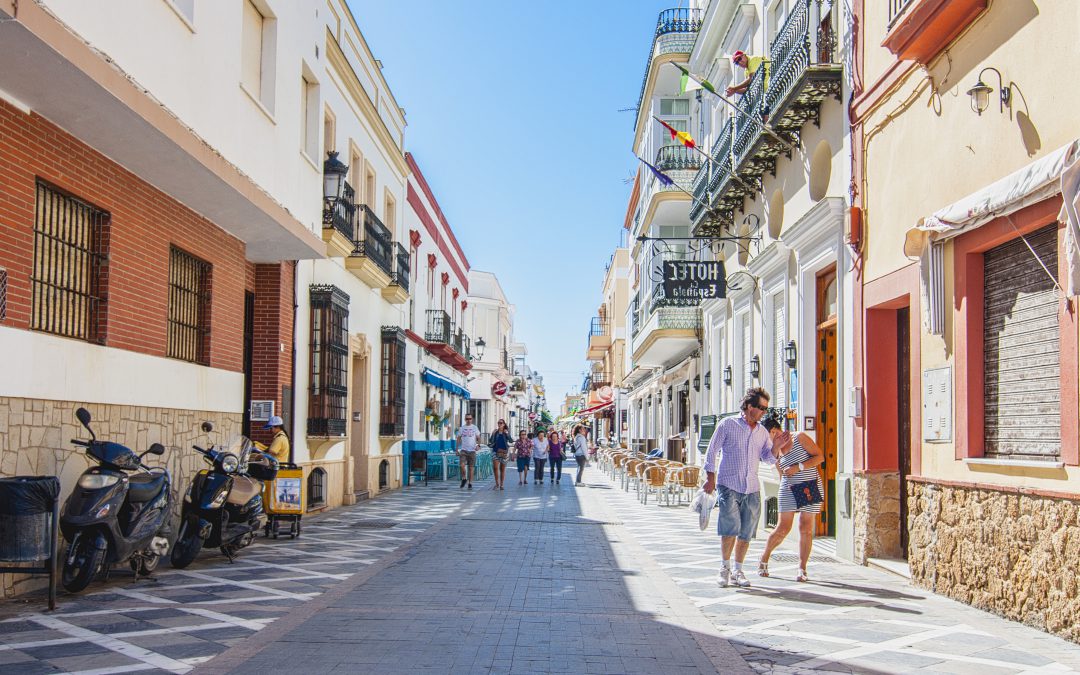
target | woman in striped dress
[{"x": 798, "y": 464}]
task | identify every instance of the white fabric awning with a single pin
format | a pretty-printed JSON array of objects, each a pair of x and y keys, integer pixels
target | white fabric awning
[{"x": 1056, "y": 173}]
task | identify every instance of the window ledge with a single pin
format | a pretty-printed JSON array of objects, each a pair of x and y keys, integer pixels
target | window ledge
[
  {"x": 306, "y": 156},
  {"x": 928, "y": 26},
  {"x": 1022, "y": 463},
  {"x": 262, "y": 107}
]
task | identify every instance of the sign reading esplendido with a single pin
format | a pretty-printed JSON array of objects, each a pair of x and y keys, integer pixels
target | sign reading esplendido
[{"x": 690, "y": 279}]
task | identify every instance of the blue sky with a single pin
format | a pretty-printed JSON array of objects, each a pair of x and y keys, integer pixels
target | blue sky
[{"x": 513, "y": 116}]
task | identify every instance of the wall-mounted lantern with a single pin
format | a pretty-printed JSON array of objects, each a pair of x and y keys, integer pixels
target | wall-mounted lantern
[{"x": 791, "y": 354}]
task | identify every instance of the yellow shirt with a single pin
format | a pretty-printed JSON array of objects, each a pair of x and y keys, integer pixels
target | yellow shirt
[
  {"x": 279, "y": 447},
  {"x": 755, "y": 62}
]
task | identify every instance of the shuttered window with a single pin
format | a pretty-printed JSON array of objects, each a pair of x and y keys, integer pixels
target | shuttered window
[
  {"x": 189, "y": 307},
  {"x": 392, "y": 388},
  {"x": 1020, "y": 349},
  {"x": 744, "y": 357},
  {"x": 329, "y": 361},
  {"x": 779, "y": 392}
]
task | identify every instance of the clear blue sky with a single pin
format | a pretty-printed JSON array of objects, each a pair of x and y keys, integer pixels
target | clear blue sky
[{"x": 513, "y": 116}]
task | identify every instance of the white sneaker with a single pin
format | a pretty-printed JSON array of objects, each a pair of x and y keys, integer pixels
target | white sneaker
[
  {"x": 723, "y": 577},
  {"x": 740, "y": 579}
]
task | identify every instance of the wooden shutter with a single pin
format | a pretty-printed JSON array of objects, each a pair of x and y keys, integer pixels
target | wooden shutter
[{"x": 1020, "y": 349}]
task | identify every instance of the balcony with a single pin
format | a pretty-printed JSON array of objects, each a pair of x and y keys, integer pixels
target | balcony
[
  {"x": 447, "y": 342},
  {"x": 805, "y": 70},
  {"x": 397, "y": 293},
  {"x": 667, "y": 332},
  {"x": 676, "y": 31},
  {"x": 339, "y": 222},
  {"x": 600, "y": 379},
  {"x": 599, "y": 339},
  {"x": 371, "y": 259}
]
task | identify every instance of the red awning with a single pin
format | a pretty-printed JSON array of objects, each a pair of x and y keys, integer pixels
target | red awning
[{"x": 594, "y": 409}]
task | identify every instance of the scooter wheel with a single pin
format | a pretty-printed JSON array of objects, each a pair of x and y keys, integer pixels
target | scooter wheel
[
  {"x": 86, "y": 562},
  {"x": 144, "y": 567},
  {"x": 186, "y": 547}
]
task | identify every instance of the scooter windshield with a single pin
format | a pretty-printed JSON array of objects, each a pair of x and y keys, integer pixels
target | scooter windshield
[{"x": 238, "y": 445}]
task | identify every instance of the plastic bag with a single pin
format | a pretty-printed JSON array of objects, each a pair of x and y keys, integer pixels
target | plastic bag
[{"x": 702, "y": 504}]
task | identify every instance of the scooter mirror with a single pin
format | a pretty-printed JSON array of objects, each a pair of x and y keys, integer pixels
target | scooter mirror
[
  {"x": 207, "y": 427},
  {"x": 157, "y": 449},
  {"x": 83, "y": 415}
]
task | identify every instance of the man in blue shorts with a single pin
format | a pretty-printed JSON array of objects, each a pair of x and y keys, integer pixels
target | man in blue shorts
[{"x": 741, "y": 443}]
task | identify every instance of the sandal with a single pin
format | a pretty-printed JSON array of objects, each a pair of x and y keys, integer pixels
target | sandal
[
  {"x": 763, "y": 569},
  {"x": 801, "y": 576}
]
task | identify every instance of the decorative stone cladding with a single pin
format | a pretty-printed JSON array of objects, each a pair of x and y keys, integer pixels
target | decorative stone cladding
[
  {"x": 876, "y": 502},
  {"x": 35, "y": 440},
  {"x": 1008, "y": 552}
]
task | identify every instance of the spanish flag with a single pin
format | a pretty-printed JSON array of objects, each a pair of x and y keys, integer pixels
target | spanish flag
[{"x": 681, "y": 136}]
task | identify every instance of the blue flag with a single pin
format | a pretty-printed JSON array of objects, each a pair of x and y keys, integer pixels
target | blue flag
[{"x": 664, "y": 179}]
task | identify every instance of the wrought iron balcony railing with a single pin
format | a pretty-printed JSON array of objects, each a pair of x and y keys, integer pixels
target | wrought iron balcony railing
[
  {"x": 340, "y": 214},
  {"x": 439, "y": 327},
  {"x": 672, "y": 23},
  {"x": 896, "y": 9},
  {"x": 677, "y": 158},
  {"x": 701, "y": 192},
  {"x": 599, "y": 326},
  {"x": 600, "y": 378},
  {"x": 377, "y": 241},
  {"x": 400, "y": 277}
]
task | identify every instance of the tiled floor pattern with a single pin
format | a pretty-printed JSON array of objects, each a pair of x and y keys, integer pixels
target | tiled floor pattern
[
  {"x": 848, "y": 618},
  {"x": 180, "y": 618}
]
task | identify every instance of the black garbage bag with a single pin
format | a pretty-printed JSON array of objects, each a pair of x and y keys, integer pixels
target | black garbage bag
[{"x": 28, "y": 495}]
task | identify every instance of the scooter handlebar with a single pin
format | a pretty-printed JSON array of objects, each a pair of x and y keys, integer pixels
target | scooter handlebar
[{"x": 85, "y": 444}]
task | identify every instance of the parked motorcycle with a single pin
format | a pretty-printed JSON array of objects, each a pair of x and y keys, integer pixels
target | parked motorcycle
[
  {"x": 223, "y": 505},
  {"x": 118, "y": 512}
]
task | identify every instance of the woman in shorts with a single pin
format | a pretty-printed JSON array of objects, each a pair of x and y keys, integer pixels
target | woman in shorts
[
  {"x": 500, "y": 449},
  {"x": 523, "y": 453}
]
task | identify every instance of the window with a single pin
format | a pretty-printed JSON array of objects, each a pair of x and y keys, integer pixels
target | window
[
  {"x": 778, "y": 13},
  {"x": 309, "y": 118},
  {"x": 392, "y": 389},
  {"x": 390, "y": 213},
  {"x": 3, "y": 293},
  {"x": 779, "y": 330},
  {"x": 369, "y": 186},
  {"x": 329, "y": 361},
  {"x": 675, "y": 106},
  {"x": 185, "y": 9},
  {"x": 70, "y": 271},
  {"x": 329, "y": 131},
  {"x": 189, "y": 307},
  {"x": 316, "y": 484},
  {"x": 258, "y": 43},
  {"x": 356, "y": 169}
]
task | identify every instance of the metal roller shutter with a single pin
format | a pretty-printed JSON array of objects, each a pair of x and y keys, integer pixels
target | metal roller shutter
[{"x": 1021, "y": 350}]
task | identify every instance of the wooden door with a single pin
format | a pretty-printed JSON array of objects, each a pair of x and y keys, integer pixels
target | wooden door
[{"x": 826, "y": 424}]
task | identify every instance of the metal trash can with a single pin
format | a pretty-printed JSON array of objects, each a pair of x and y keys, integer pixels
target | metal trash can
[
  {"x": 26, "y": 503},
  {"x": 29, "y": 522}
]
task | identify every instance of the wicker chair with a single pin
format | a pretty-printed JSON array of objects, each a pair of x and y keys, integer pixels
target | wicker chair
[
  {"x": 630, "y": 473},
  {"x": 688, "y": 480},
  {"x": 655, "y": 479}
]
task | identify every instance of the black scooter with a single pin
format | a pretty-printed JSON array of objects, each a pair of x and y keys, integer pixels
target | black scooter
[
  {"x": 118, "y": 512},
  {"x": 223, "y": 506}
]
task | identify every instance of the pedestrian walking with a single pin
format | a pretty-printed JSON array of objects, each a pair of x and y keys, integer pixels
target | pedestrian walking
[
  {"x": 468, "y": 436},
  {"x": 522, "y": 453},
  {"x": 500, "y": 447},
  {"x": 738, "y": 444},
  {"x": 581, "y": 449},
  {"x": 555, "y": 456},
  {"x": 801, "y": 492},
  {"x": 539, "y": 455}
]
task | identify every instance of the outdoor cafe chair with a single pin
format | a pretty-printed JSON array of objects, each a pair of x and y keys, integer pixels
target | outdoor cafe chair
[
  {"x": 655, "y": 480},
  {"x": 629, "y": 474},
  {"x": 689, "y": 480}
]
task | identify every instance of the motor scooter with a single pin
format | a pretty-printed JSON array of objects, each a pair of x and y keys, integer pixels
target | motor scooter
[
  {"x": 118, "y": 512},
  {"x": 223, "y": 505}
]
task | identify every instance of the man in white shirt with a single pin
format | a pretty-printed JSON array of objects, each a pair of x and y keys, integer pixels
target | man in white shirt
[{"x": 468, "y": 437}]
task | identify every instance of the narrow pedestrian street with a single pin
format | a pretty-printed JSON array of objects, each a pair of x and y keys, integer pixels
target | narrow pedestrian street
[{"x": 533, "y": 579}]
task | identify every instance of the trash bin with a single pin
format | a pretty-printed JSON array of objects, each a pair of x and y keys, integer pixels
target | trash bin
[
  {"x": 418, "y": 465},
  {"x": 26, "y": 504}
]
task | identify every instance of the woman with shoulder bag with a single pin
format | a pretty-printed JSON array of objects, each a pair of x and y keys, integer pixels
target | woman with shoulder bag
[
  {"x": 500, "y": 446},
  {"x": 800, "y": 492}
]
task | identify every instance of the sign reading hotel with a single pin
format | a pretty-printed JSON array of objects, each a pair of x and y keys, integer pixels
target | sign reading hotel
[{"x": 693, "y": 280}]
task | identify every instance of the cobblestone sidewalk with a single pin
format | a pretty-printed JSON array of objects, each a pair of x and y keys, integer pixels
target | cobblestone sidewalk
[
  {"x": 179, "y": 618},
  {"x": 848, "y": 618}
]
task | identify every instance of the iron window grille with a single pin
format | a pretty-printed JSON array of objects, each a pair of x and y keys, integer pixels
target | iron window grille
[
  {"x": 3, "y": 293},
  {"x": 189, "y": 307},
  {"x": 70, "y": 269},
  {"x": 392, "y": 390},
  {"x": 316, "y": 488},
  {"x": 329, "y": 361}
]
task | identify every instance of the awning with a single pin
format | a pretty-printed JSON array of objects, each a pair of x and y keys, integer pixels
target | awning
[
  {"x": 442, "y": 382},
  {"x": 595, "y": 409},
  {"x": 1058, "y": 172}
]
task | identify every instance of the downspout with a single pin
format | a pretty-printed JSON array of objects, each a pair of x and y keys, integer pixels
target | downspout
[{"x": 292, "y": 365}]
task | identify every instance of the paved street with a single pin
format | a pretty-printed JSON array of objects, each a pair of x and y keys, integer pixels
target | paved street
[{"x": 531, "y": 579}]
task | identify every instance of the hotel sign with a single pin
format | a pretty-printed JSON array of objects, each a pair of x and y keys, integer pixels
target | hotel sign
[{"x": 692, "y": 280}]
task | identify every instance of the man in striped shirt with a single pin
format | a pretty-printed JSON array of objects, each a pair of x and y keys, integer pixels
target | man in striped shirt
[{"x": 741, "y": 443}]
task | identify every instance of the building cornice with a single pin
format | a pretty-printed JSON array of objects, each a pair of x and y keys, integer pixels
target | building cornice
[{"x": 818, "y": 226}]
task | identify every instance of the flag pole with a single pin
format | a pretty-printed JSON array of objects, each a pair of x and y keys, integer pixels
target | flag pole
[
  {"x": 677, "y": 186},
  {"x": 758, "y": 122},
  {"x": 710, "y": 159}
]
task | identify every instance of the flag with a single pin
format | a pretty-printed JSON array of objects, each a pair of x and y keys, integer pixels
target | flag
[
  {"x": 689, "y": 83},
  {"x": 664, "y": 179},
  {"x": 680, "y": 136}
]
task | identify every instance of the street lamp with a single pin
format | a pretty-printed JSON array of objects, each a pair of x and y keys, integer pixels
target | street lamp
[
  {"x": 755, "y": 367},
  {"x": 791, "y": 354},
  {"x": 480, "y": 344},
  {"x": 697, "y": 383},
  {"x": 980, "y": 93},
  {"x": 727, "y": 375},
  {"x": 334, "y": 172},
  {"x": 708, "y": 379}
]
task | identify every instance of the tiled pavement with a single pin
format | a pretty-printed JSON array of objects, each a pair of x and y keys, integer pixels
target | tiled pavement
[
  {"x": 531, "y": 579},
  {"x": 848, "y": 618},
  {"x": 179, "y": 618}
]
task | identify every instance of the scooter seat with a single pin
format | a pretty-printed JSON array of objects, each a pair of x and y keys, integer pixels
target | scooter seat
[{"x": 144, "y": 487}]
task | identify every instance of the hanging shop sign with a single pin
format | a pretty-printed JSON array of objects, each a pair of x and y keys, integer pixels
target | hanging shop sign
[
  {"x": 694, "y": 280},
  {"x": 605, "y": 393},
  {"x": 499, "y": 388}
]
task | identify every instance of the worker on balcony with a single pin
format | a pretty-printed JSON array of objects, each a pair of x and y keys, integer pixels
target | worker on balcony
[{"x": 752, "y": 64}]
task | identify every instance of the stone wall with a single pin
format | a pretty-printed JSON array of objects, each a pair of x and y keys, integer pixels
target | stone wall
[
  {"x": 875, "y": 502},
  {"x": 1006, "y": 552},
  {"x": 35, "y": 439}
]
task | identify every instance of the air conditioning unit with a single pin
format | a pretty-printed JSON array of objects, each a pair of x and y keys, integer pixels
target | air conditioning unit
[{"x": 261, "y": 411}]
